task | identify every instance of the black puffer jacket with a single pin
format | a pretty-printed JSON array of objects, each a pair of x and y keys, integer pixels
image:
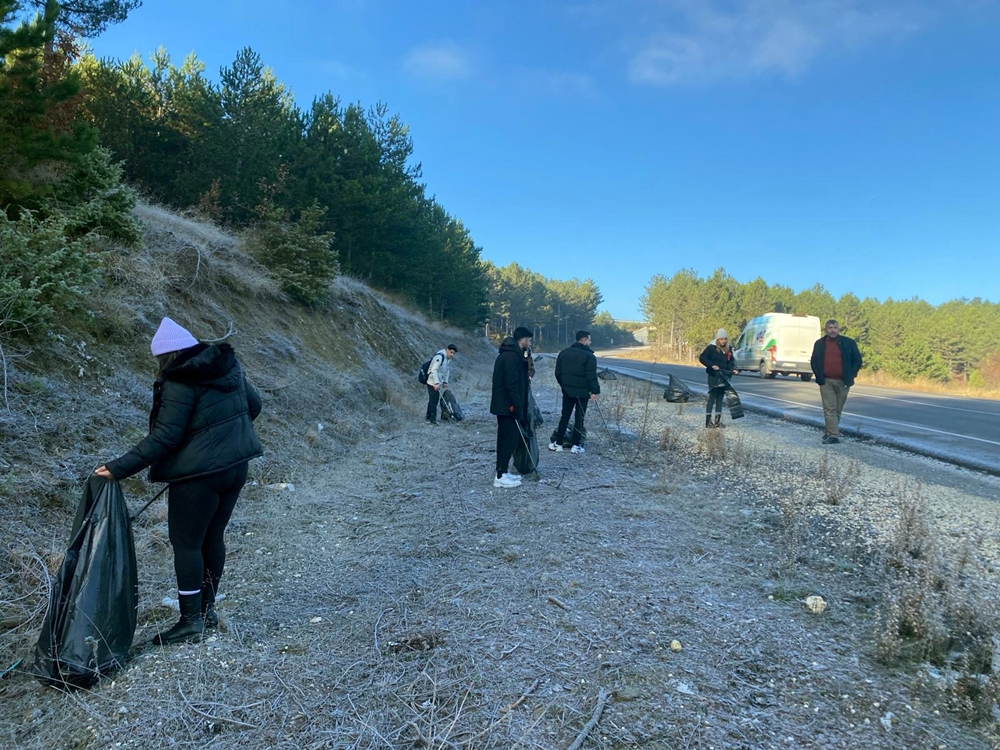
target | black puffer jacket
[
  {"x": 712, "y": 356},
  {"x": 576, "y": 371},
  {"x": 510, "y": 382},
  {"x": 849, "y": 352},
  {"x": 200, "y": 424}
]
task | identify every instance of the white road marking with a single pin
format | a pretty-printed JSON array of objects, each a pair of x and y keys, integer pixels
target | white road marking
[{"x": 917, "y": 403}]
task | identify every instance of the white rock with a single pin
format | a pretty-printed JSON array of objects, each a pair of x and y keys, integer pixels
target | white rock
[
  {"x": 887, "y": 721},
  {"x": 816, "y": 604}
]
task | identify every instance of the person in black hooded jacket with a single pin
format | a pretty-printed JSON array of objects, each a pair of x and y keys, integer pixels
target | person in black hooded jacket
[
  {"x": 576, "y": 373},
  {"x": 200, "y": 440},
  {"x": 509, "y": 401}
]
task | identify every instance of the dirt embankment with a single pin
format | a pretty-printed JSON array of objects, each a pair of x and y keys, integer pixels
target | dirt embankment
[{"x": 395, "y": 599}]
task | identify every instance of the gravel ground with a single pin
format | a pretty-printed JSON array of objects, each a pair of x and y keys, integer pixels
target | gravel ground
[{"x": 648, "y": 594}]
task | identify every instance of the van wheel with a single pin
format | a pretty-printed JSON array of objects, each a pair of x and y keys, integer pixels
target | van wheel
[{"x": 806, "y": 377}]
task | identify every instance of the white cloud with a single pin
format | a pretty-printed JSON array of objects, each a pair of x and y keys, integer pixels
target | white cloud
[
  {"x": 703, "y": 41},
  {"x": 438, "y": 63}
]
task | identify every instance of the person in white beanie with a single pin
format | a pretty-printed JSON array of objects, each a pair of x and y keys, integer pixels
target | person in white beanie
[
  {"x": 200, "y": 441},
  {"x": 719, "y": 363}
]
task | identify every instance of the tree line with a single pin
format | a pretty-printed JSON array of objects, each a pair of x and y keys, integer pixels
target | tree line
[
  {"x": 320, "y": 190},
  {"x": 908, "y": 339},
  {"x": 554, "y": 309}
]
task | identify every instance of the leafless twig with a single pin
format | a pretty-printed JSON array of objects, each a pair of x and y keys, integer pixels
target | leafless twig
[
  {"x": 212, "y": 717},
  {"x": 602, "y": 701}
]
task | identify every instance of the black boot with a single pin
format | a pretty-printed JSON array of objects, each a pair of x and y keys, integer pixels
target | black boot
[
  {"x": 189, "y": 628},
  {"x": 209, "y": 616},
  {"x": 708, "y": 420},
  {"x": 208, "y": 613},
  {"x": 718, "y": 421}
]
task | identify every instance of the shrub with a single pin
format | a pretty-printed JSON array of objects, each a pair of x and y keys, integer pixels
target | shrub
[
  {"x": 41, "y": 271},
  {"x": 299, "y": 255},
  {"x": 95, "y": 201}
]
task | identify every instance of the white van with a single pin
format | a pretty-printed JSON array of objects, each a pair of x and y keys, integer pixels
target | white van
[{"x": 778, "y": 342}]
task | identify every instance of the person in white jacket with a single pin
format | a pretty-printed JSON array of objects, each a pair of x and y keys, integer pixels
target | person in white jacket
[{"x": 437, "y": 379}]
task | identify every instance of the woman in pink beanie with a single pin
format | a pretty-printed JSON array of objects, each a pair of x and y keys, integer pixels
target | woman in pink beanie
[{"x": 200, "y": 440}]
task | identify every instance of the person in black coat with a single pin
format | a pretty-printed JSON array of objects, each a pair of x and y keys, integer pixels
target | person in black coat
[
  {"x": 576, "y": 373},
  {"x": 200, "y": 440},
  {"x": 720, "y": 366},
  {"x": 835, "y": 362},
  {"x": 509, "y": 401}
]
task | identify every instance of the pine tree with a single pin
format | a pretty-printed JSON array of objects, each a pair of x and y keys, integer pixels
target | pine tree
[
  {"x": 88, "y": 18},
  {"x": 33, "y": 143}
]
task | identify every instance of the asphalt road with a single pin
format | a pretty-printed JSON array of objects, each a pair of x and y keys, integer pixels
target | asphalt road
[{"x": 964, "y": 431}]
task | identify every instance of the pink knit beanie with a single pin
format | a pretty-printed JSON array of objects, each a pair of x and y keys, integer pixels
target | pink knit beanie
[{"x": 171, "y": 337}]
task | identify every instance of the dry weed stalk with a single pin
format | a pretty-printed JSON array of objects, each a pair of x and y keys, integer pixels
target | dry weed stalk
[{"x": 712, "y": 444}]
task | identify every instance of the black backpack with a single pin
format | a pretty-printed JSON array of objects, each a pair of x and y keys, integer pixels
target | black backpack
[{"x": 424, "y": 369}]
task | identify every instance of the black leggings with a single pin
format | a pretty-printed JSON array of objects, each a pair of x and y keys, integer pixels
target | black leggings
[
  {"x": 198, "y": 511},
  {"x": 715, "y": 396}
]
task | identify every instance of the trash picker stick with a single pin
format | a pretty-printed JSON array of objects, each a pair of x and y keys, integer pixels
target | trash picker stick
[{"x": 144, "y": 507}]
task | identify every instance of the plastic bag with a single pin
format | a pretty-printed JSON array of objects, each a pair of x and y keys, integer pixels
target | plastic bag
[
  {"x": 534, "y": 413},
  {"x": 526, "y": 453},
  {"x": 677, "y": 392},
  {"x": 732, "y": 399},
  {"x": 91, "y": 619},
  {"x": 450, "y": 408}
]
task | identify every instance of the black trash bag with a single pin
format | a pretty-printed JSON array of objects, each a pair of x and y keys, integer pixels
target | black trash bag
[
  {"x": 526, "y": 453},
  {"x": 677, "y": 392},
  {"x": 733, "y": 403},
  {"x": 450, "y": 408},
  {"x": 732, "y": 399},
  {"x": 91, "y": 619},
  {"x": 606, "y": 374},
  {"x": 534, "y": 412}
]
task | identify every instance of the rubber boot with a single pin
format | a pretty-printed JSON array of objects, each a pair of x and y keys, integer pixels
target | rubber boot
[
  {"x": 208, "y": 613},
  {"x": 189, "y": 628},
  {"x": 718, "y": 421},
  {"x": 708, "y": 420}
]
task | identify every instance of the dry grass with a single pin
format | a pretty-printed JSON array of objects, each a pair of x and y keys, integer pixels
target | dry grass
[{"x": 920, "y": 385}]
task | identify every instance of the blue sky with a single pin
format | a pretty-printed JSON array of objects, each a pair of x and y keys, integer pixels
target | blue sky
[{"x": 851, "y": 143}]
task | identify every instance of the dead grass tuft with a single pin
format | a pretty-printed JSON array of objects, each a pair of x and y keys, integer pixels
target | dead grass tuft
[
  {"x": 712, "y": 444},
  {"x": 932, "y": 609}
]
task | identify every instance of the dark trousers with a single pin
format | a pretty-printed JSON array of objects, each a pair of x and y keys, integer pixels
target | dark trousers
[
  {"x": 432, "y": 403},
  {"x": 508, "y": 436},
  {"x": 198, "y": 511},
  {"x": 715, "y": 397},
  {"x": 577, "y": 406}
]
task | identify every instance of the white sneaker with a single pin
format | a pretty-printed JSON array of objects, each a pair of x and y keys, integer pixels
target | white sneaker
[
  {"x": 555, "y": 447},
  {"x": 513, "y": 477},
  {"x": 577, "y": 449},
  {"x": 506, "y": 482}
]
